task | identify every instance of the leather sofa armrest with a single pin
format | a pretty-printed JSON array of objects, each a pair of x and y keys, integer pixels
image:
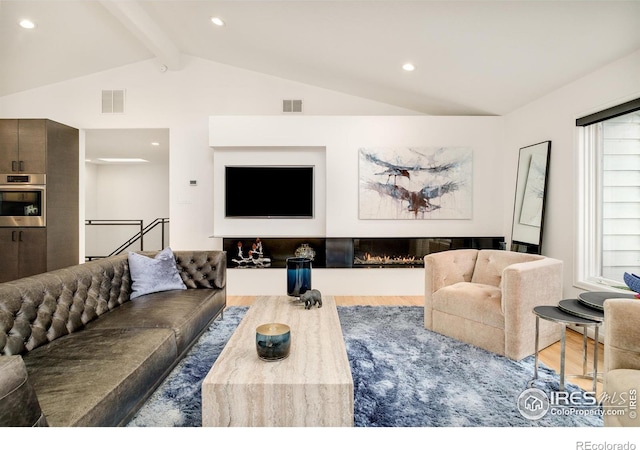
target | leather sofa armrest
[
  {"x": 19, "y": 405},
  {"x": 622, "y": 334}
]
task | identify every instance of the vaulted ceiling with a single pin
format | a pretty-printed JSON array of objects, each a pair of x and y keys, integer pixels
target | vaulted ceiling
[{"x": 471, "y": 57}]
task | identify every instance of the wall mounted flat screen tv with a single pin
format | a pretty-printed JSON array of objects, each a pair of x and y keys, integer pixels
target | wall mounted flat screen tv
[{"x": 269, "y": 191}]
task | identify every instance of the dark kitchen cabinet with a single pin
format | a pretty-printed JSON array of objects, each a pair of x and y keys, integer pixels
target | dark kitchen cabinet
[
  {"x": 24, "y": 252},
  {"x": 23, "y": 145},
  {"x": 42, "y": 146}
]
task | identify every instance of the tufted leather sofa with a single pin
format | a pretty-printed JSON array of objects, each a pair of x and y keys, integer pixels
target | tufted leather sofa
[{"x": 76, "y": 351}]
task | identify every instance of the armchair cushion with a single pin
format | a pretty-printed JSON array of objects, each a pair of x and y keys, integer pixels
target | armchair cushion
[
  {"x": 490, "y": 265},
  {"x": 453, "y": 267},
  {"x": 482, "y": 303}
]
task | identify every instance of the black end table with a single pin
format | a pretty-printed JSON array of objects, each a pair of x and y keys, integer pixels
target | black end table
[
  {"x": 565, "y": 315},
  {"x": 596, "y": 299}
]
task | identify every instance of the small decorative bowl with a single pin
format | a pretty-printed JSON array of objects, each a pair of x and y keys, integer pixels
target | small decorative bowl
[{"x": 273, "y": 341}]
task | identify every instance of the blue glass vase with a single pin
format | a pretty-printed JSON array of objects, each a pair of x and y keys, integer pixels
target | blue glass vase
[{"x": 298, "y": 276}]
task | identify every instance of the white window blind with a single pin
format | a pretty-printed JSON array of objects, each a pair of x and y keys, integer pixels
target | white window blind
[
  {"x": 620, "y": 196},
  {"x": 609, "y": 231}
]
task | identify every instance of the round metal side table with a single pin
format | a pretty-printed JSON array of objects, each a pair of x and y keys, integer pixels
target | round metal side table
[
  {"x": 560, "y": 314},
  {"x": 596, "y": 299}
]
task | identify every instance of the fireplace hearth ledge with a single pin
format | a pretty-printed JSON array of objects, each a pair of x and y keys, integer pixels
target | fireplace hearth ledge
[{"x": 351, "y": 253}]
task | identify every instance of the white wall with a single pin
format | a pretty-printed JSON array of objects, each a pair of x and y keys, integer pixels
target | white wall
[
  {"x": 90, "y": 189},
  {"x": 145, "y": 186},
  {"x": 181, "y": 101},
  {"x": 270, "y": 138},
  {"x": 553, "y": 118},
  {"x": 341, "y": 137},
  {"x": 124, "y": 191}
]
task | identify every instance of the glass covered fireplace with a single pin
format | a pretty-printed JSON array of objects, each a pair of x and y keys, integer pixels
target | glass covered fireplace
[
  {"x": 356, "y": 252},
  {"x": 394, "y": 252}
]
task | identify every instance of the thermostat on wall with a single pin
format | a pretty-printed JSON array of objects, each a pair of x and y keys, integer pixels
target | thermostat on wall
[{"x": 193, "y": 182}]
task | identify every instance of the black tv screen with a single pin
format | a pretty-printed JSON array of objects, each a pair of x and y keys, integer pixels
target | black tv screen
[{"x": 269, "y": 191}]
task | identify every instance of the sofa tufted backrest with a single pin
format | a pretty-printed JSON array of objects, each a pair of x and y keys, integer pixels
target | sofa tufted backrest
[
  {"x": 38, "y": 309},
  {"x": 491, "y": 263},
  {"x": 202, "y": 269}
]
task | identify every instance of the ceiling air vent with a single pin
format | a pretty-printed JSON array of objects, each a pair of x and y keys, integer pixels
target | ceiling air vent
[
  {"x": 291, "y": 106},
  {"x": 113, "y": 101}
]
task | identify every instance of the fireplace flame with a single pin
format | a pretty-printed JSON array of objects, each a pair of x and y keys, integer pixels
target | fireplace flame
[{"x": 368, "y": 258}]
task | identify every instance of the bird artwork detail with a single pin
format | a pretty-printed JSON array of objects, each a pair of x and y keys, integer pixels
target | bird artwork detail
[
  {"x": 416, "y": 179},
  {"x": 394, "y": 170},
  {"x": 417, "y": 200}
]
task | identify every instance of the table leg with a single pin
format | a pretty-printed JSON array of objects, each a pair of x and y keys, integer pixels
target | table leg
[
  {"x": 535, "y": 366},
  {"x": 584, "y": 350},
  {"x": 562, "y": 354},
  {"x": 595, "y": 358}
]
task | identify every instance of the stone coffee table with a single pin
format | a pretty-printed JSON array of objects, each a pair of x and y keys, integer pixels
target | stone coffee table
[{"x": 312, "y": 387}]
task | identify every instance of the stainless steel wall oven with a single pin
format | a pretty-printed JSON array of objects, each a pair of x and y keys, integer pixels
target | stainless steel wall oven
[{"x": 23, "y": 200}]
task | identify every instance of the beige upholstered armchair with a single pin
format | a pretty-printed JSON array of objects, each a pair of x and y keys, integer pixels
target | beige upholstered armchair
[
  {"x": 622, "y": 362},
  {"x": 486, "y": 297}
]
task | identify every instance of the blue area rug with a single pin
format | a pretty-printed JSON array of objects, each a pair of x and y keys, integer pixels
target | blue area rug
[{"x": 404, "y": 376}]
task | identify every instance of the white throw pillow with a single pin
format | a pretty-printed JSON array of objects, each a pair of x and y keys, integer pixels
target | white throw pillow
[{"x": 153, "y": 274}]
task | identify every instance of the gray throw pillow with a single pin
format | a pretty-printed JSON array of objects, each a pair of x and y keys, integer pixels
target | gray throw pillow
[{"x": 153, "y": 274}]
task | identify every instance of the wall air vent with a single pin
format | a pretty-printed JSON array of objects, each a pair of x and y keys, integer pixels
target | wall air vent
[
  {"x": 113, "y": 101},
  {"x": 292, "y": 106}
]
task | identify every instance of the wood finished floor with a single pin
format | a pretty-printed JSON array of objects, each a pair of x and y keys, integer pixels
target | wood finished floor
[{"x": 550, "y": 356}]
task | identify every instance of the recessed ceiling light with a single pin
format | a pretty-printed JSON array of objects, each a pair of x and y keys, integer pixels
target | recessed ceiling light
[
  {"x": 27, "y": 24},
  {"x": 217, "y": 21},
  {"x": 155, "y": 144},
  {"x": 123, "y": 160},
  {"x": 409, "y": 67}
]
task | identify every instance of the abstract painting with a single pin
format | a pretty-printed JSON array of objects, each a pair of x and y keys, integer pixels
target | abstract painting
[{"x": 415, "y": 183}]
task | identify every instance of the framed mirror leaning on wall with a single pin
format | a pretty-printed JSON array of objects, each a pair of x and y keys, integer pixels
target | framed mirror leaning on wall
[{"x": 531, "y": 190}]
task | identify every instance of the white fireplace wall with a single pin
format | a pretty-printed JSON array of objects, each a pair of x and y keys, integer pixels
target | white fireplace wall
[{"x": 334, "y": 141}]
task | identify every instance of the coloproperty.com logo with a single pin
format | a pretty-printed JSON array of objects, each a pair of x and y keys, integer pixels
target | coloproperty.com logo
[{"x": 534, "y": 403}]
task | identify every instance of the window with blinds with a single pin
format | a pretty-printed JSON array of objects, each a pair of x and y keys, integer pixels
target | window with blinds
[
  {"x": 609, "y": 242},
  {"x": 620, "y": 156}
]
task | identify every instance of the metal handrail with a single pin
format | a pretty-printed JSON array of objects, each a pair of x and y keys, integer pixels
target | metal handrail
[{"x": 132, "y": 240}]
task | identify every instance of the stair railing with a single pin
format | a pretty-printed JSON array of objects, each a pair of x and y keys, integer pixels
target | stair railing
[{"x": 139, "y": 236}]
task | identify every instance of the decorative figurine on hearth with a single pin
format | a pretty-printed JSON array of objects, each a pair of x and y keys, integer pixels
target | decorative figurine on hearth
[
  {"x": 256, "y": 255},
  {"x": 239, "y": 259},
  {"x": 305, "y": 251},
  {"x": 310, "y": 298}
]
